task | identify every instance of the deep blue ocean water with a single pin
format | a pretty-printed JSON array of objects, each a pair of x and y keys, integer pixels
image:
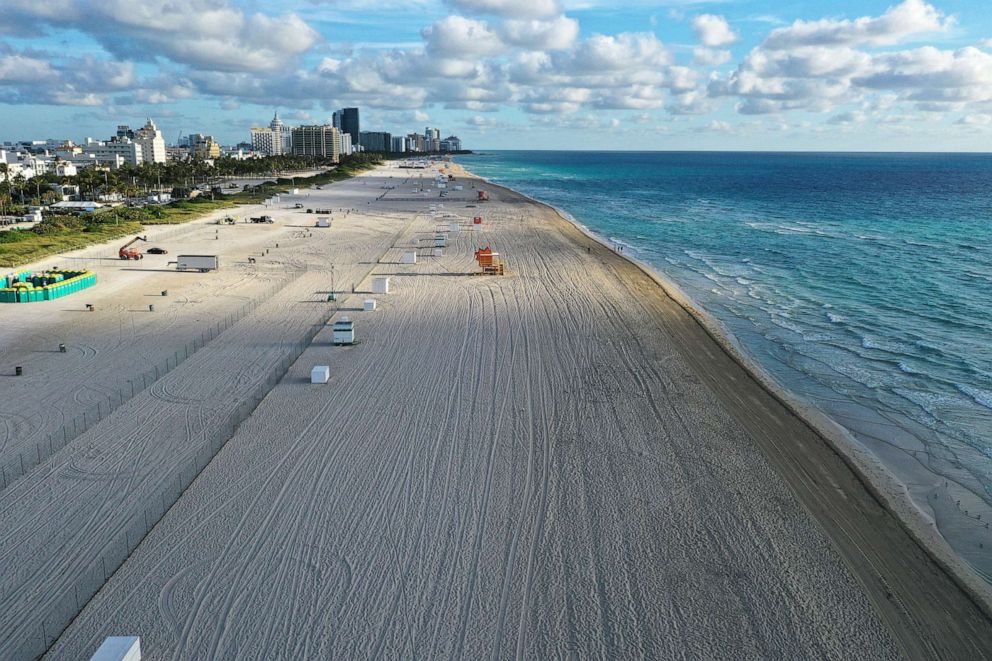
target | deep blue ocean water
[{"x": 860, "y": 282}]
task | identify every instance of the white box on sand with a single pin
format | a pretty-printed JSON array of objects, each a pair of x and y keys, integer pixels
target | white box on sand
[
  {"x": 320, "y": 374},
  {"x": 369, "y": 304},
  {"x": 119, "y": 648},
  {"x": 437, "y": 252},
  {"x": 344, "y": 331},
  {"x": 323, "y": 222},
  {"x": 380, "y": 285},
  {"x": 454, "y": 227},
  {"x": 409, "y": 258}
]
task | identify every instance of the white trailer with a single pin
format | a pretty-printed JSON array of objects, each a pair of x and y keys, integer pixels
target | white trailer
[
  {"x": 344, "y": 331},
  {"x": 202, "y": 263}
]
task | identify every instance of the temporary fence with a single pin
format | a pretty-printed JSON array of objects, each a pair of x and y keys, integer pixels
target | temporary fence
[
  {"x": 92, "y": 578},
  {"x": 14, "y": 466},
  {"x": 41, "y": 635}
]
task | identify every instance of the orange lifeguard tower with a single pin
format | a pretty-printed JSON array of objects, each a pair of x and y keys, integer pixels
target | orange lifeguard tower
[{"x": 489, "y": 261}]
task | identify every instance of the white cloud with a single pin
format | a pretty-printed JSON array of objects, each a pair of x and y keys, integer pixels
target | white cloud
[
  {"x": 820, "y": 65},
  {"x": 710, "y": 56},
  {"x": 203, "y": 33},
  {"x": 625, "y": 51},
  {"x": 510, "y": 8},
  {"x": 717, "y": 126},
  {"x": 980, "y": 119},
  {"x": 713, "y": 31},
  {"x": 556, "y": 34},
  {"x": 461, "y": 37},
  {"x": 909, "y": 18},
  {"x": 847, "y": 118}
]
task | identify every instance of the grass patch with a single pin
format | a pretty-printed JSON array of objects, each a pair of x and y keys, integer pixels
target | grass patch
[
  {"x": 62, "y": 233},
  {"x": 35, "y": 246}
]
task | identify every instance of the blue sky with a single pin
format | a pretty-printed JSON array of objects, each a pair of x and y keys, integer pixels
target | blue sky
[{"x": 553, "y": 74}]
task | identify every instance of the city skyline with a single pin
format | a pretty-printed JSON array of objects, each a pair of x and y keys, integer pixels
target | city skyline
[{"x": 908, "y": 75}]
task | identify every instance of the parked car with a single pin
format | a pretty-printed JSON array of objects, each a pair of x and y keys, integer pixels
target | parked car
[{"x": 157, "y": 251}]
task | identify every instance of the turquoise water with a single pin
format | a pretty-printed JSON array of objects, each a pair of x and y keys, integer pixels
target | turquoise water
[{"x": 861, "y": 282}]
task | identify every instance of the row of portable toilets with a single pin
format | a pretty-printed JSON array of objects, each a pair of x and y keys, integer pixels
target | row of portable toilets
[{"x": 28, "y": 287}]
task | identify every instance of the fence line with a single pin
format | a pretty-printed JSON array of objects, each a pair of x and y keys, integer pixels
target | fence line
[
  {"x": 116, "y": 552},
  {"x": 14, "y": 467}
]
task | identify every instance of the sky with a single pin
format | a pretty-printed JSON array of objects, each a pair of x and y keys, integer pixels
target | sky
[{"x": 512, "y": 74}]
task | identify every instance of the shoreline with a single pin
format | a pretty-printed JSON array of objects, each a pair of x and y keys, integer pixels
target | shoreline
[
  {"x": 520, "y": 443},
  {"x": 892, "y": 494}
]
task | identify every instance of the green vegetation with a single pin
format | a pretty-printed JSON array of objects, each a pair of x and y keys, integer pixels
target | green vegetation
[{"x": 63, "y": 232}]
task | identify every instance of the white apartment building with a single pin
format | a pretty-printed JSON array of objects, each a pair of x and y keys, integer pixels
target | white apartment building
[
  {"x": 273, "y": 141},
  {"x": 113, "y": 153},
  {"x": 152, "y": 143}
]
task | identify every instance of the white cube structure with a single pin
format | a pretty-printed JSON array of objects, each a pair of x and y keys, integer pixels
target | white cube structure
[
  {"x": 436, "y": 252},
  {"x": 119, "y": 648},
  {"x": 369, "y": 304},
  {"x": 454, "y": 227},
  {"x": 344, "y": 331},
  {"x": 380, "y": 285},
  {"x": 323, "y": 222},
  {"x": 408, "y": 258},
  {"x": 441, "y": 239},
  {"x": 320, "y": 374}
]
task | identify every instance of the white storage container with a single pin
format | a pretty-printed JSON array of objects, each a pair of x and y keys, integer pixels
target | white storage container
[
  {"x": 380, "y": 285},
  {"x": 320, "y": 374},
  {"x": 118, "y": 648},
  {"x": 454, "y": 227},
  {"x": 344, "y": 331},
  {"x": 436, "y": 252},
  {"x": 323, "y": 222},
  {"x": 409, "y": 258},
  {"x": 370, "y": 304}
]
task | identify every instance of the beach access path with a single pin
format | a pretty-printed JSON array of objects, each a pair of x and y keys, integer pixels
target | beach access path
[{"x": 557, "y": 462}]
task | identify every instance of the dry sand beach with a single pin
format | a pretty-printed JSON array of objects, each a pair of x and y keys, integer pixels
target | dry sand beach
[{"x": 557, "y": 463}]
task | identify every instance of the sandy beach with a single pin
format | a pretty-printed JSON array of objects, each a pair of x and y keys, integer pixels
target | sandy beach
[{"x": 562, "y": 462}]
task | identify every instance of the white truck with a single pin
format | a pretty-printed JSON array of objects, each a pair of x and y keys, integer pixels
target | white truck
[{"x": 201, "y": 263}]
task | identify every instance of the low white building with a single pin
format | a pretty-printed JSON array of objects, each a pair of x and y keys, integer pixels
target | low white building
[{"x": 113, "y": 151}]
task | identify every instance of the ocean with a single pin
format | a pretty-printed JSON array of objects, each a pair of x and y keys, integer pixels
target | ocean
[{"x": 862, "y": 283}]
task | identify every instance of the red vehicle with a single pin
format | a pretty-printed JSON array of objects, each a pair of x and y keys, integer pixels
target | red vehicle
[
  {"x": 127, "y": 252},
  {"x": 477, "y": 220},
  {"x": 483, "y": 196}
]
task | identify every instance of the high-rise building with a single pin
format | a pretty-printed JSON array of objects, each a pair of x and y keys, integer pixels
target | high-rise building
[
  {"x": 399, "y": 144},
  {"x": 151, "y": 140},
  {"x": 451, "y": 143},
  {"x": 203, "y": 146},
  {"x": 273, "y": 141},
  {"x": 346, "y": 121},
  {"x": 317, "y": 140},
  {"x": 416, "y": 142},
  {"x": 347, "y": 149},
  {"x": 376, "y": 141}
]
